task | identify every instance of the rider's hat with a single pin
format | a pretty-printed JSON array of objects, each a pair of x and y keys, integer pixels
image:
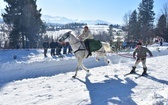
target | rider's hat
[
  {"x": 139, "y": 43},
  {"x": 86, "y": 27}
]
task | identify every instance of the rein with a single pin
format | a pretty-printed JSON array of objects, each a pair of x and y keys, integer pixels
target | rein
[
  {"x": 79, "y": 50},
  {"x": 125, "y": 55}
]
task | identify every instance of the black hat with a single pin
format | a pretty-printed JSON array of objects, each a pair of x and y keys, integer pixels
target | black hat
[{"x": 139, "y": 43}]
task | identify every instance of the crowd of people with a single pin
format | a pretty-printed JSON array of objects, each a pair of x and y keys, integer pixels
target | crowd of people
[
  {"x": 131, "y": 44},
  {"x": 56, "y": 48}
]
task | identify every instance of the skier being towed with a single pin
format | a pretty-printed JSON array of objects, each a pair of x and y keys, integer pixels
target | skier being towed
[{"x": 141, "y": 53}]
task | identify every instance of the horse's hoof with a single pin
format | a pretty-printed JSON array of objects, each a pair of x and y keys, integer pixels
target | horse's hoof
[
  {"x": 88, "y": 74},
  {"x": 97, "y": 60},
  {"x": 73, "y": 76}
]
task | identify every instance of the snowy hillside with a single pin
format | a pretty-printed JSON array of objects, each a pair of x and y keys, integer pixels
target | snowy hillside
[
  {"x": 95, "y": 29},
  {"x": 31, "y": 79}
]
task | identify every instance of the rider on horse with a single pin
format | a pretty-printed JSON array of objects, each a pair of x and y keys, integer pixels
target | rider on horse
[{"x": 86, "y": 36}]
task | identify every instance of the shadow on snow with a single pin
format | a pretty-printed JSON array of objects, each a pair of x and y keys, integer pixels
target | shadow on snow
[{"x": 110, "y": 91}]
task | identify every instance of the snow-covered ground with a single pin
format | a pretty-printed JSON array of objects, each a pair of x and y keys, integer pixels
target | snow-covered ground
[{"x": 31, "y": 79}]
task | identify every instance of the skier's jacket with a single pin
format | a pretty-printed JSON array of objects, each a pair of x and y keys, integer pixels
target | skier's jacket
[{"x": 142, "y": 52}]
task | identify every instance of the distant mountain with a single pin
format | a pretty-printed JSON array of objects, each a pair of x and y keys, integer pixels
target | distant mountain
[
  {"x": 57, "y": 19},
  {"x": 92, "y": 22},
  {"x": 64, "y": 20}
]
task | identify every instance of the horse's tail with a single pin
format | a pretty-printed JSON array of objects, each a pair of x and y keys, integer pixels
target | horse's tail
[{"x": 106, "y": 47}]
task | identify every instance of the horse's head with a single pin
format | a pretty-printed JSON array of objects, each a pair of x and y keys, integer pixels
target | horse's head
[{"x": 65, "y": 36}]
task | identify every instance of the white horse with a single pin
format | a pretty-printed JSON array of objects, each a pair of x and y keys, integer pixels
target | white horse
[{"x": 81, "y": 52}]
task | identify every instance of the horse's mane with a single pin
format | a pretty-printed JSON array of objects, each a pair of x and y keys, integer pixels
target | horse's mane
[{"x": 72, "y": 33}]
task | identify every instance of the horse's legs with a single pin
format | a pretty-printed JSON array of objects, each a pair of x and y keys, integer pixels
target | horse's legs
[
  {"x": 77, "y": 68},
  {"x": 75, "y": 73},
  {"x": 83, "y": 67},
  {"x": 106, "y": 59},
  {"x": 80, "y": 62},
  {"x": 97, "y": 58},
  {"x": 80, "y": 65}
]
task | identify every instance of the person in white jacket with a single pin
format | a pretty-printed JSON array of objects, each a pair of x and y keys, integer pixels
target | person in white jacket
[{"x": 86, "y": 36}]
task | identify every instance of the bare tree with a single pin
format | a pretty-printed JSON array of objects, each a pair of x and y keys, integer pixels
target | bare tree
[
  {"x": 164, "y": 11},
  {"x": 126, "y": 18}
]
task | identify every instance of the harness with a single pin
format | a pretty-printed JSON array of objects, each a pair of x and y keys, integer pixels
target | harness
[{"x": 79, "y": 47}]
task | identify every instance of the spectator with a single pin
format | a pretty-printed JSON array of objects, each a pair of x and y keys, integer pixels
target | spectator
[
  {"x": 53, "y": 47},
  {"x": 65, "y": 48},
  {"x": 124, "y": 44},
  {"x": 161, "y": 41},
  {"x": 58, "y": 48},
  {"x": 45, "y": 46},
  {"x": 69, "y": 48}
]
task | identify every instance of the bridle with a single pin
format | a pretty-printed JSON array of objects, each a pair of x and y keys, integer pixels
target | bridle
[{"x": 66, "y": 36}]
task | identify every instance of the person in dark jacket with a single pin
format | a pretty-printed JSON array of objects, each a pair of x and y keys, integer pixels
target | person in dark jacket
[
  {"x": 161, "y": 41},
  {"x": 53, "y": 47},
  {"x": 69, "y": 48},
  {"x": 65, "y": 46},
  {"x": 141, "y": 54},
  {"x": 45, "y": 46},
  {"x": 58, "y": 49}
]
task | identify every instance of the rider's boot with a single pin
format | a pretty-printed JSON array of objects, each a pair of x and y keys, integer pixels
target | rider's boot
[{"x": 90, "y": 53}]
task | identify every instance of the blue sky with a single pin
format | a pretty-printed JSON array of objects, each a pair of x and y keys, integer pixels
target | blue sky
[{"x": 108, "y": 10}]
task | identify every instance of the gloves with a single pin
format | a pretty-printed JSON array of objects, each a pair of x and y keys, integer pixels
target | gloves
[
  {"x": 134, "y": 57},
  {"x": 79, "y": 38}
]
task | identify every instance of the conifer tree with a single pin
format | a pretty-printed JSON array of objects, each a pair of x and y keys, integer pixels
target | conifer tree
[
  {"x": 25, "y": 20},
  {"x": 133, "y": 26},
  {"x": 161, "y": 27},
  {"x": 146, "y": 18}
]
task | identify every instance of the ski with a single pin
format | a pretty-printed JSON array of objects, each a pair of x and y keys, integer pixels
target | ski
[
  {"x": 138, "y": 75},
  {"x": 127, "y": 74},
  {"x": 141, "y": 76},
  {"x": 131, "y": 74}
]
